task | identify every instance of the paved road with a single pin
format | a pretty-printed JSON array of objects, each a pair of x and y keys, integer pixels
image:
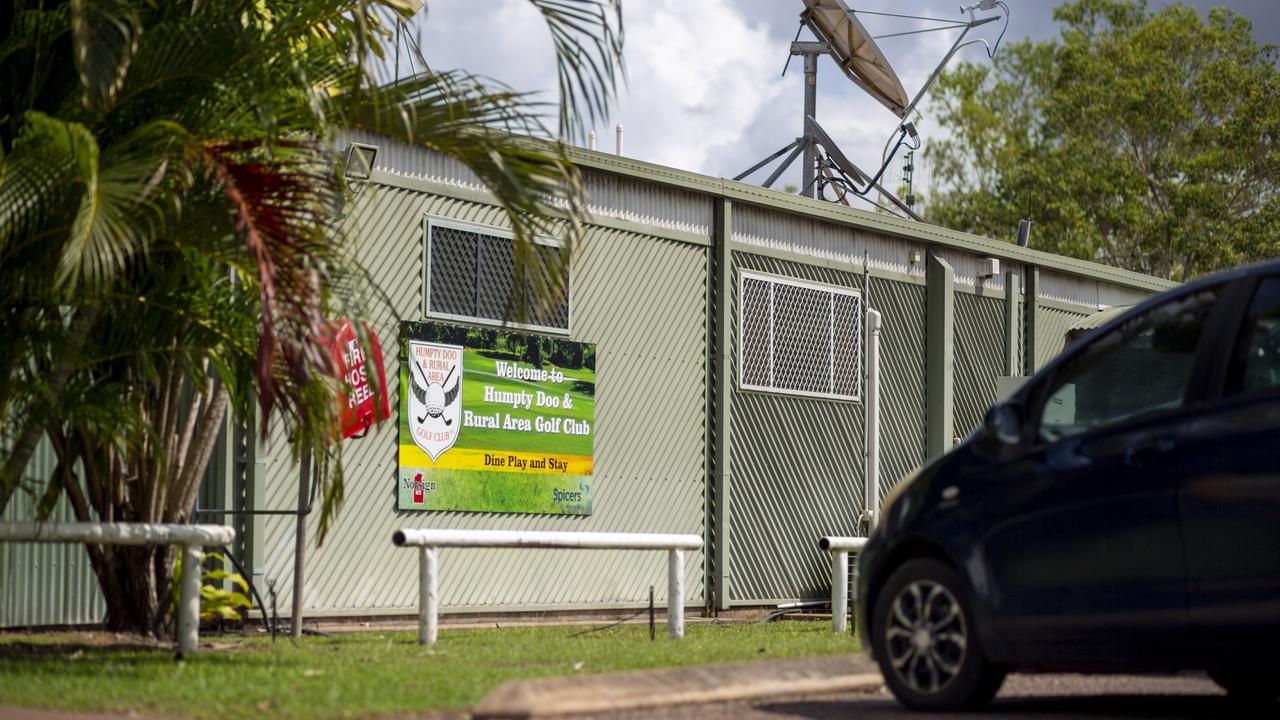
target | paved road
[{"x": 1044, "y": 697}]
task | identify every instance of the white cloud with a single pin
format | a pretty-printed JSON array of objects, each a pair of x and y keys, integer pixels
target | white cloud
[
  {"x": 704, "y": 91},
  {"x": 503, "y": 39},
  {"x": 699, "y": 74}
]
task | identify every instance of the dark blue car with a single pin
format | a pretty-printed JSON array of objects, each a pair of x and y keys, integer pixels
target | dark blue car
[{"x": 1121, "y": 512}]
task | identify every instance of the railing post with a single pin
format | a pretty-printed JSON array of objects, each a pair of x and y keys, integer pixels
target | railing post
[
  {"x": 428, "y": 603},
  {"x": 839, "y": 590},
  {"x": 839, "y": 548},
  {"x": 189, "y": 601},
  {"x": 675, "y": 593}
]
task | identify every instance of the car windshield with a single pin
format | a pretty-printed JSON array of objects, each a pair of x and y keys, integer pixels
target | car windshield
[{"x": 1140, "y": 367}]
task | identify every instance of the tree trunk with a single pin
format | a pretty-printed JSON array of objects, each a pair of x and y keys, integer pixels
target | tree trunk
[
  {"x": 136, "y": 596},
  {"x": 137, "y": 582}
]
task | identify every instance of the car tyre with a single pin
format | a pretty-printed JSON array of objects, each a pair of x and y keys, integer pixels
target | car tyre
[
  {"x": 1251, "y": 688},
  {"x": 925, "y": 639}
]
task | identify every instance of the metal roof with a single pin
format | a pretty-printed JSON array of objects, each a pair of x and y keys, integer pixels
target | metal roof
[
  {"x": 864, "y": 219},
  {"x": 1099, "y": 319}
]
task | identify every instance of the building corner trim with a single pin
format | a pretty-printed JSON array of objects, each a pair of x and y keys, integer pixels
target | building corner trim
[
  {"x": 721, "y": 280},
  {"x": 1012, "y": 328},
  {"x": 940, "y": 354},
  {"x": 1031, "y": 361}
]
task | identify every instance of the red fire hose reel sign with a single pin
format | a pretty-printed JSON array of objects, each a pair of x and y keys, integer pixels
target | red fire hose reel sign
[{"x": 360, "y": 407}]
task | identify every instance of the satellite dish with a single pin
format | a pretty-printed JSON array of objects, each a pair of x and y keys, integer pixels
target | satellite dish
[
  {"x": 842, "y": 36},
  {"x": 854, "y": 50}
]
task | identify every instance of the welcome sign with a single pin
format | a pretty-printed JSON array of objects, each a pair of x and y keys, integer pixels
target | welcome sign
[{"x": 494, "y": 421}]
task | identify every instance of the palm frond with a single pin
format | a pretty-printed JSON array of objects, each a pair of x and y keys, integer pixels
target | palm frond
[
  {"x": 196, "y": 49},
  {"x": 280, "y": 202},
  {"x": 459, "y": 115},
  {"x": 588, "y": 39},
  {"x": 122, "y": 207},
  {"x": 34, "y": 35},
  {"x": 33, "y": 180},
  {"x": 57, "y": 171},
  {"x": 175, "y": 188},
  {"x": 106, "y": 39}
]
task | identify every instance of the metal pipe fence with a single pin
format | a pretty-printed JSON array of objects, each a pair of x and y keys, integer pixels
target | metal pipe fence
[
  {"x": 840, "y": 547},
  {"x": 190, "y": 537},
  {"x": 429, "y": 543}
]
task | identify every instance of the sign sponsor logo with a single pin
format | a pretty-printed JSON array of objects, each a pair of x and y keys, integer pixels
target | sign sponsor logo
[{"x": 419, "y": 487}]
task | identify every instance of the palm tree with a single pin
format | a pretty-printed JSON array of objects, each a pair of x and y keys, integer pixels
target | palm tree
[{"x": 170, "y": 245}]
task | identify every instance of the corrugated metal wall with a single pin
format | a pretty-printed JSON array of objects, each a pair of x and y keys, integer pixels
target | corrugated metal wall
[
  {"x": 642, "y": 300},
  {"x": 615, "y": 196},
  {"x": 903, "y": 387},
  {"x": 797, "y": 467},
  {"x": 1052, "y": 324},
  {"x": 979, "y": 358},
  {"x": 44, "y": 584},
  {"x": 823, "y": 241},
  {"x": 797, "y": 463}
]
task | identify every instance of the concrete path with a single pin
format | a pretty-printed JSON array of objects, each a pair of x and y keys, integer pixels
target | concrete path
[
  {"x": 632, "y": 691},
  {"x": 1034, "y": 697}
]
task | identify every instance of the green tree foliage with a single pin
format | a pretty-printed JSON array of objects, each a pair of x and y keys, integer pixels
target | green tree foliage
[
  {"x": 171, "y": 205},
  {"x": 1145, "y": 140}
]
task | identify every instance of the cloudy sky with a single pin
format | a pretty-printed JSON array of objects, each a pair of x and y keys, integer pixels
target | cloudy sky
[{"x": 704, "y": 90}]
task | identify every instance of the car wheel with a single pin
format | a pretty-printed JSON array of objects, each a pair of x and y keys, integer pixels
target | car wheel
[
  {"x": 926, "y": 642},
  {"x": 1248, "y": 687}
]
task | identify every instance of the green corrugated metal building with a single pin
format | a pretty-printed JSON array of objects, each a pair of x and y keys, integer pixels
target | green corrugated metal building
[{"x": 728, "y": 324}]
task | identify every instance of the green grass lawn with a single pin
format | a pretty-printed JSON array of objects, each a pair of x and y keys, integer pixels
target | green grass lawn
[{"x": 363, "y": 674}]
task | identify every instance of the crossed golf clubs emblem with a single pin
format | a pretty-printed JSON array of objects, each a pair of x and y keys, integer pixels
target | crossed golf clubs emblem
[{"x": 433, "y": 396}]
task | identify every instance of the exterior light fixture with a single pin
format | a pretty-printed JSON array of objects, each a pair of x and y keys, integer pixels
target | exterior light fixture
[{"x": 360, "y": 159}]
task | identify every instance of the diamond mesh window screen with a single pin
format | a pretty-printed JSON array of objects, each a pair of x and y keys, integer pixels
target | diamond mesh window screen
[
  {"x": 800, "y": 338},
  {"x": 470, "y": 275}
]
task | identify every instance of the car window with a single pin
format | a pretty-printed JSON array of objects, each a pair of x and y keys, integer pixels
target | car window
[
  {"x": 1255, "y": 363},
  {"x": 1142, "y": 366}
]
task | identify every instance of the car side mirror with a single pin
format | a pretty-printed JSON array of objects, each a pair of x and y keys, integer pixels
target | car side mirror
[{"x": 1004, "y": 424}]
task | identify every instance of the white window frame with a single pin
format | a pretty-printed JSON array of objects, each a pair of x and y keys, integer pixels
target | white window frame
[
  {"x": 831, "y": 290},
  {"x": 430, "y": 222}
]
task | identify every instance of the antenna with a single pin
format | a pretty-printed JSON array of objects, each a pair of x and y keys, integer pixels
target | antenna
[
  {"x": 405, "y": 39},
  {"x": 841, "y": 35}
]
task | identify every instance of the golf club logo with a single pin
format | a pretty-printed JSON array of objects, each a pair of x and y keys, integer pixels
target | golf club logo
[{"x": 435, "y": 386}]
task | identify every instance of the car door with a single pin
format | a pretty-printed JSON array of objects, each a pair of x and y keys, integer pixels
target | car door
[
  {"x": 1083, "y": 544},
  {"x": 1230, "y": 495}
]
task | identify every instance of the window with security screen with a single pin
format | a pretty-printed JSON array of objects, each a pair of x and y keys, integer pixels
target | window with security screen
[
  {"x": 799, "y": 338},
  {"x": 470, "y": 272}
]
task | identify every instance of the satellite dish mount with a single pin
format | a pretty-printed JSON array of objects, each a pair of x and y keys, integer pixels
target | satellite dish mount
[{"x": 841, "y": 35}]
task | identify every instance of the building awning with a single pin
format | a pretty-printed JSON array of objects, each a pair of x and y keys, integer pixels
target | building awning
[{"x": 1097, "y": 320}]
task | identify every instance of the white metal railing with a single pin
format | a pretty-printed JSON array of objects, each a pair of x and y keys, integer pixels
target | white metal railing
[
  {"x": 429, "y": 542},
  {"x": 190, "y": 537},
  {"x": 840, "y": 547}
]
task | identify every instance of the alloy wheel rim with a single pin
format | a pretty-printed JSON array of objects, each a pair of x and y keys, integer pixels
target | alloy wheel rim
[{"x": 926, "y": 637}]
